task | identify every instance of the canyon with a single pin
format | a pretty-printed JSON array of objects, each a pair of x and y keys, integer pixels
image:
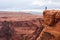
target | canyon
[{"x": 26, "y": 26}]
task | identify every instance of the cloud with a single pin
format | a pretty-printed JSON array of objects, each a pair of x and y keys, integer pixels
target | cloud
[
  {"x": 49, "y": 3},
  {"x": 38, "y": 2},
  {"x": 56, "y": 0},
  {"x": 28, "y": 4},
  {"x": 14, "y": 4},
  {"x": 34, "y": 10},
  {"x": 41, "y": 2}
]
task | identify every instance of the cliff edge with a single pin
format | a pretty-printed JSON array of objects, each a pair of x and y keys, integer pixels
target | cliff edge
[{"x": 51, "y": 24}]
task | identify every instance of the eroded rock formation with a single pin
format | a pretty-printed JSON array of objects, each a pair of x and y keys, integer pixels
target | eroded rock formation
[
  {"x": 51, "y": 24},
  {"x": 20, "y": 30}
]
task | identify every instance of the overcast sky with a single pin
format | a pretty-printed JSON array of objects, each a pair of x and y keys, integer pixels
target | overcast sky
[{"x": 30, "y": 5}]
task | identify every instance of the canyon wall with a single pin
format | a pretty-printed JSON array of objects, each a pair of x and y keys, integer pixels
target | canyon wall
[
  {"x": 51, "y": 24},
  {"x": 11, "y": 29}
]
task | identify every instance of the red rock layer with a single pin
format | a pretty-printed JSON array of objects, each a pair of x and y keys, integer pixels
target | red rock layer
[
  {"x": 51, "y": 24},
  {"x": 17, "y": 28}
]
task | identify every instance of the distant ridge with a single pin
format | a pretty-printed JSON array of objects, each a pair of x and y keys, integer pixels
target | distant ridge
[{"x": 5, "y": 15}]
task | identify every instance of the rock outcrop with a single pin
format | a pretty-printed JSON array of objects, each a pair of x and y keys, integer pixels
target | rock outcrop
[{"x": 51, "y": 24}]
